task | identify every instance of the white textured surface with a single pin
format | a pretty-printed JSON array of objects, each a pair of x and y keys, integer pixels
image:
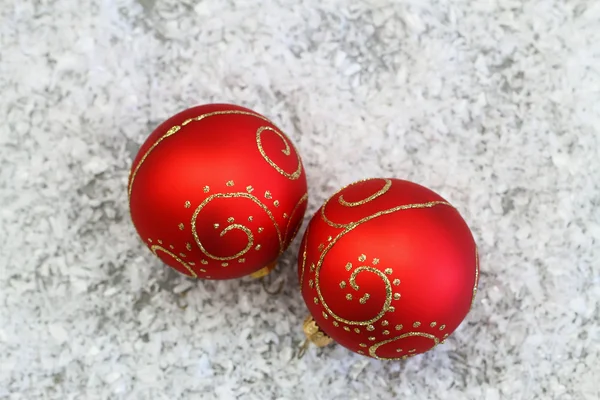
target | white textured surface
[{"x": 494, "y": 104}]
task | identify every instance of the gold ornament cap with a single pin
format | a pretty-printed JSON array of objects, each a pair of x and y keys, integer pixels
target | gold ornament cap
[
  {"x": 314, "y": 334},
  {"x": 264, "y": 271}
]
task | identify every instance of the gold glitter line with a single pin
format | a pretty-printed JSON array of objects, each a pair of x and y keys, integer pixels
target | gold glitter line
[
  {"x": 287, "y": 151},
  {"x": 156, "y": 247},
  {"x": 237, "y": 226},
  {"x": 373, "y": 349},
  {"x": 476, "y": 278},
  {"x": 386, "y": 187},
  {"x": 349, "y": 228},
  {"x": 287, "y": 227},
  {"x": 304, "y": 259},
  {"x": 380, "y": 213},
  {"x": 176, "y": 129}
]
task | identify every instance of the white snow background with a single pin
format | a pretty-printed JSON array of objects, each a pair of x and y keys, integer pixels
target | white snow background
[{"x": 494, "y": 104}]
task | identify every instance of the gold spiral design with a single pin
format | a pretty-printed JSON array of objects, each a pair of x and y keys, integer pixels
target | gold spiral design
[
  {"x": 156, "y": 248},
  {"x": 373, "y": 349},
  {"x": 233, "y": 226},
  {"x": 348, "y": 228},
  {"x": 287, "y": 151},
  {"x": 388, "y": 294},
  {"x": 172, "y": 131},
  {"x": 382, "y": 191}
]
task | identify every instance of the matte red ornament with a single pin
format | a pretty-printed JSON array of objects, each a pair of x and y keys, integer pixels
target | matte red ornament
[
  {"x": 217, "y": 192},
  {"x": 388, "y": 268}
]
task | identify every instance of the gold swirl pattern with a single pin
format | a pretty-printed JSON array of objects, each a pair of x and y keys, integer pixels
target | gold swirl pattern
[
  {"x": 373, "y": 349},
  {"x": 287, "y": 151},
  {"x": 348, "y": 228},
  {"x": 386, "y": 187},
  {"x": 234, "y": 226},
  {"x": 177, "y": 128},
  {"x": 155, "y": 248}
]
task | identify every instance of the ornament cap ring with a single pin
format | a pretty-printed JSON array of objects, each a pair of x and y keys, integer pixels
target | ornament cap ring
[{"x": 264, "y": 271}]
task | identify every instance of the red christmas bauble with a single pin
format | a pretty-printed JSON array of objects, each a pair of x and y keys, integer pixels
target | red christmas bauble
[
  {"x": 388, "y": 268},
  {"x": 217, "y": 192}
]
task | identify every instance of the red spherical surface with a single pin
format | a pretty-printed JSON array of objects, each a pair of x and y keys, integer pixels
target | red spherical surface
[
  {"x": 217, "y": 192},
  {"x": 388, "y": 268}
]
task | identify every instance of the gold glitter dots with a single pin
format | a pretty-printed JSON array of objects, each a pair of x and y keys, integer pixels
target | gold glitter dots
[
  {"x": 311, "y": 283},
  {"x": 384, "y": 323},
  {"x": 388, "y": 271},
  {"x": 356, "y": 330},
  {"x": 258, "y": 246},
  {"x": 250, "y": 218},
  {"x": 202, "y": 270},
  {"x": 348, "y": 266},
  {"x": 268, "y": 195},
  {"x": 348, "y": 296},
  {"x": 230, "y": 183},
  {"x": 362, "y": 345},
  {"x": 216, "y": 226},
  {"x": 321, "y": 247},
  {"x": 181, "y": 226},
  {"x": 445, "y": 335},
  {"x": 172, "y": 247},
  {"x": 391, "y": 309},
  {"x": 335, "y": 323},
  {"x": 285, "y": 216},
  {"x": 404, "y": 357},
  {"x": 399, "y": 327},
  {"x": 192, "y": 263},
  {"x": 412, "y": 350},
  {"x": 398, "y": 350},
  {"x": 416, "y": 324},
  {"x": 342, "y": 284},
  {"x": 224, "y": 264},
  {"x": 187, "y": 204},
  {"x": 364, "y": 299},
  {"x": 442, "y": 327},
  {"x": 149, "y": 240},
  {"x": 386, "y": 332},
  {"x": 204, "y": 262},
  {"x": 312, "y": 267},
  {"x": 188, "y": 246},
  {"x": 160, "y": 241},
  {"x": 206, "y": 189},
  {"x": 249, "y": 189},
  {"x": 230, "y": 220},
  {"x": 329, "y": 239},
  {"x": 325, "y": 315},
  {"x": 276, "y": 203},
  {"x": 433, "y": 324},
  {"x": 347, "y": 329},
  {"x": 241, "y": 260},
  {"x": 396, "y": 282},
  {"x": 396, "y": 296},
  {"x": 372, "y": 338},
  {"x": 260, "y": 229},
  {"x": 375, "y": 261},
  {"x": 315, "y": 300},
  {"x": 362, "y": 258},
  {"x": 182, "y": 255},
  {"x": 370, "y": 328},
  {"x": 361, "y": 352}
]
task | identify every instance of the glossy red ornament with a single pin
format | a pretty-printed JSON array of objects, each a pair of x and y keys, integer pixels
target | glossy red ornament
[
  {"x": 217, "y": 192},
  {"x": 388, "y": 268}
]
